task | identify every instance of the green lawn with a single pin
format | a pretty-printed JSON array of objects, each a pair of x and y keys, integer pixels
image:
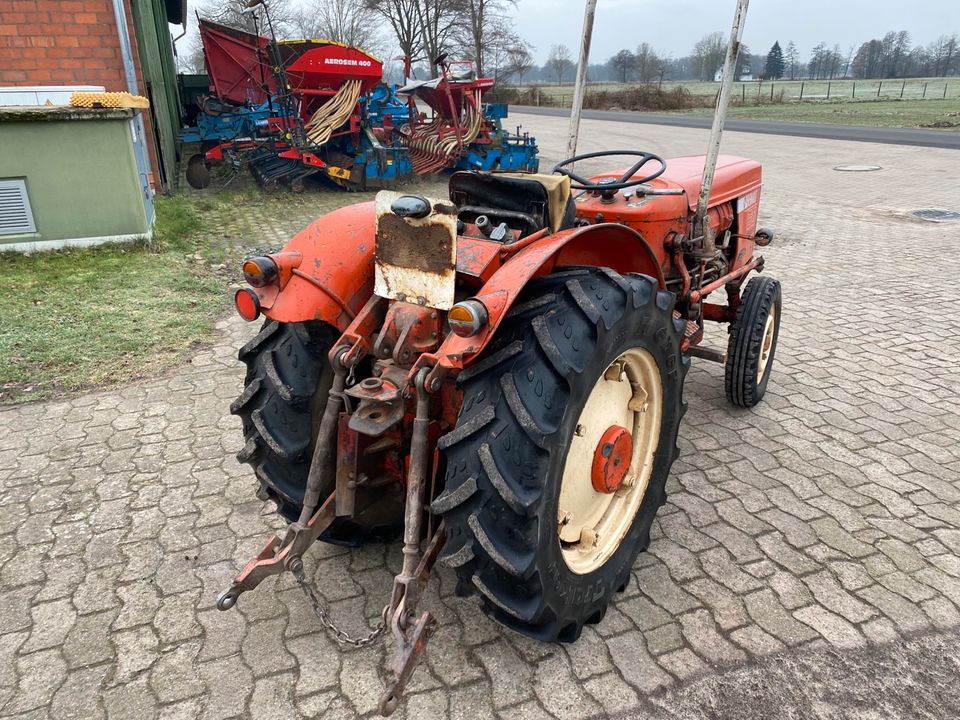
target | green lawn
[
  {"x": 852, "y": 102},
  {"x": 881, "y": 113},
  {"x": 749, "y": 92},
  {"x": 74, "y": 319}
]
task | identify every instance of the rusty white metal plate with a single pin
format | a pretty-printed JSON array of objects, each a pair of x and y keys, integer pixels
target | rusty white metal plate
[{"x": 416, "y": 258}]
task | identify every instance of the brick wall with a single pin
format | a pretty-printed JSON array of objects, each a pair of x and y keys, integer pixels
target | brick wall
[
  {"x": 66, "y": 42},
  {"x": 53, "y": 42}
]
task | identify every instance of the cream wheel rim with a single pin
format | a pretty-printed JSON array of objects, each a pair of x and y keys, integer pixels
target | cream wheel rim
[
  {"x": 627, "y": 397},
  {"x": 766, "y": 345}
]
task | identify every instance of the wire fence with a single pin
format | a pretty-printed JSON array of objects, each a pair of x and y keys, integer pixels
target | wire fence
[{"x": 757, "y": 92}]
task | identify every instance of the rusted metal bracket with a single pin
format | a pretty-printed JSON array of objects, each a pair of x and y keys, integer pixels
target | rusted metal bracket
[
  {"x": 411, "y": 638},
  {"x": 277, "y": 555}
]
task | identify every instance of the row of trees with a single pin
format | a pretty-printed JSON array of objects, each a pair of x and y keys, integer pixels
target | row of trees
[
  {"x": 482, "y": 30},
  {"x": 479, "y": 30},
  {"x": 888, "y": 57}
]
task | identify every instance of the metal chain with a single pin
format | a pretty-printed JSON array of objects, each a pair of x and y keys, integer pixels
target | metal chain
[{"x": 321, "y": 612}]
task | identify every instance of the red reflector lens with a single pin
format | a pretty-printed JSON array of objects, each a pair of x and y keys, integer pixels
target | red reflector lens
[{"x": 248, "y": 304}]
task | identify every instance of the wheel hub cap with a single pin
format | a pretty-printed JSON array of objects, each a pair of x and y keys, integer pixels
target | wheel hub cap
[
  {"x": 611, "y": 459},
  {"x": 766, "y": 344}
]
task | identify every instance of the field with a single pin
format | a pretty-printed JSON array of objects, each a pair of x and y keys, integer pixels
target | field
[
  {"x": 919, "y": 102},
  {"x": 762, "y": 91},
  {"x": 942, "y": 114}
]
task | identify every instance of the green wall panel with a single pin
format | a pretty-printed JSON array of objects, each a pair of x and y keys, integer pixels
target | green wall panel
[{"x": 81, "y": 177}]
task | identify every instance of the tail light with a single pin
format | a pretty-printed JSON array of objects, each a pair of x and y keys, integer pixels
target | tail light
[
  {"x": 260, "y": 271},
  {"x": 248, "y": 304},
  {"x": 467, "y": 318}
]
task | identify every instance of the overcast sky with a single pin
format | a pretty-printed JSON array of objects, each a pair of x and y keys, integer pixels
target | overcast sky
[{"x": 673, "y": 26}]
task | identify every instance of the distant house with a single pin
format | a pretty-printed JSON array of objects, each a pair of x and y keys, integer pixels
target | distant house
[{"x": 746, "y": 74}]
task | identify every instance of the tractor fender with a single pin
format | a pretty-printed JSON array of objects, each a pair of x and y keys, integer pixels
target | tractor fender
[
  {"x": 610, "y": 245},
  {"x": 333, "y": 277}
]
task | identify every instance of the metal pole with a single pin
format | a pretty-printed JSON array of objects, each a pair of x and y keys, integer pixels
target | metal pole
[
  {"x": 574, "y": 130},
  {"x": 700, "y": 226}
]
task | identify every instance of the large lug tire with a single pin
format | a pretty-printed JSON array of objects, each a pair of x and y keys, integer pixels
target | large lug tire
[
  {"x": 285, "y": 392},
  {"x": 507, "y": 457},
  {"x": 753, "y": 342}
]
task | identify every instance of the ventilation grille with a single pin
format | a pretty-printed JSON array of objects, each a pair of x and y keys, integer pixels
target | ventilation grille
[{"x": 16, "y": 218}]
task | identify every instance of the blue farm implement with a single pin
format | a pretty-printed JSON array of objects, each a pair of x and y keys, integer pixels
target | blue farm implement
[{"x": 291, "y": 109}]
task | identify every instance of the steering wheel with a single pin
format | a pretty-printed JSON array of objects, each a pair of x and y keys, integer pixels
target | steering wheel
[{"x": 626, "y": 180}]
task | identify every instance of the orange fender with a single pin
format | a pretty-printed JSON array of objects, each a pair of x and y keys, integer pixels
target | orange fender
[
  {"x": 607, "y": 245},
  {"x": 329, "y": 266}
]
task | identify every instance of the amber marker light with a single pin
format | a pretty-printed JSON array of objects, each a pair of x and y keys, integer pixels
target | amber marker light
[
  {"x": 467, "y": 318},
  {"x": 259, "y": 271},
  {"x": 248, "y": 304}
]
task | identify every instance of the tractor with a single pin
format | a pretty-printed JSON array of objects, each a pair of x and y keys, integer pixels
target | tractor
[{"x": 497, "y": 377}]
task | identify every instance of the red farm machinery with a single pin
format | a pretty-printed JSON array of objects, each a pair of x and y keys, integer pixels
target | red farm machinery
[
  {"x": 497, "y": 377},
  {"x": 290, "y": 109}
]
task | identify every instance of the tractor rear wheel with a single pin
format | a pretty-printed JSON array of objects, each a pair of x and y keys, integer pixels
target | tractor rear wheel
[
  {"x": 560, "y": 456},
  {"x": 753, "y": 342},
  {"x": 284, "y": 395}
]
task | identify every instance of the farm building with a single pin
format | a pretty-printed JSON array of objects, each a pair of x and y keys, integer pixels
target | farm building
[{"x": 77, "y": 176}]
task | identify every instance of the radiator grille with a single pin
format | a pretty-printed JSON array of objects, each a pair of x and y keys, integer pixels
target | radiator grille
[{"x": 16, "y": 218}]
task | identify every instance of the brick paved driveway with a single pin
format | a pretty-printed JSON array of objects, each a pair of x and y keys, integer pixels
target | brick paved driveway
[{"x": 828, "y": 516}]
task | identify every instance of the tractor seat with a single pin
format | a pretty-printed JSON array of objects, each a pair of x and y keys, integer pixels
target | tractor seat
[{"x": 527, "y": 202}]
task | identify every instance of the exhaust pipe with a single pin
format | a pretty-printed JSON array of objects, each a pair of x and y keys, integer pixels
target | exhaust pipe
[{"x": 704, "y": 247}]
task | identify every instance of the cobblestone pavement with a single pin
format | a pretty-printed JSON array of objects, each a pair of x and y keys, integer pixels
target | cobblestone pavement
[{"x": 828, "y": 517}]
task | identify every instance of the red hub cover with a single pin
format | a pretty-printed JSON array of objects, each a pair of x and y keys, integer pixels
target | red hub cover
[{"x": 611, "y": 459}]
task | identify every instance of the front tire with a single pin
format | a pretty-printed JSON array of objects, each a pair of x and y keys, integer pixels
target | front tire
[
  {"x": 509, "y": 456},
  {"x": 753, "y": 342}
]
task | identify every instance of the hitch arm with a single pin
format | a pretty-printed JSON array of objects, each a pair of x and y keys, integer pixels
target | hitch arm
[{"x": 276, "y": 556}]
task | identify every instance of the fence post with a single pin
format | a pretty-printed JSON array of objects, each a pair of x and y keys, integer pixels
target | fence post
[
  {"x": 854, "y": 96},
  {"x": 771, "y": 92},
  {"x": 879, "y": 87},
  {"x": 828, "y": 90},
  {"x": 944, "y": 90},
  {"x": 801, "y": 90},
  {"x": 743, "y": 94},
  {"x": 902, "y": 88},
  {"x": 924, "y": 92}
]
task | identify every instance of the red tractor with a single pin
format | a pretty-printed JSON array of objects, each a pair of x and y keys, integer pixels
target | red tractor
[{"x": 499, "y": 376}]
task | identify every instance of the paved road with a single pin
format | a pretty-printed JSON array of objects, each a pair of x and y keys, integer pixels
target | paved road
[
  {"x": 802, "y": 543},
  {"x": 823, "y": 131}
]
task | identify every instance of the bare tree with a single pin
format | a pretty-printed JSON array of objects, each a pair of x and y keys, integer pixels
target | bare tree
[
  {"x": 648, "y": 63},
  {"x": 708, "y": 55},
  {"x": 939, "y": 52},
  {"x": 351, "y": 22},
  {"x": 792, "y": 57},
  {"x": 622, "y": 65},
  {"x": 559, "y": 62},
  {"x": 403, "y": 17},
  {"x": 438, "y": 22},
  {"x": 519, "y": 62},
  {"x": 486, "y": 30},
  {"x": 231, "y": 13}
]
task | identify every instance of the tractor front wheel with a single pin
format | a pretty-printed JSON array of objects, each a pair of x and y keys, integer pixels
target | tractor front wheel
[
  {"x": 560, "y": 456},
  {"x": 753, "y": 342}
]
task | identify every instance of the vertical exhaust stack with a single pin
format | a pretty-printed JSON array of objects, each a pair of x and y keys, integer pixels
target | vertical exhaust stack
[{"x": 702, "y": 235}]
